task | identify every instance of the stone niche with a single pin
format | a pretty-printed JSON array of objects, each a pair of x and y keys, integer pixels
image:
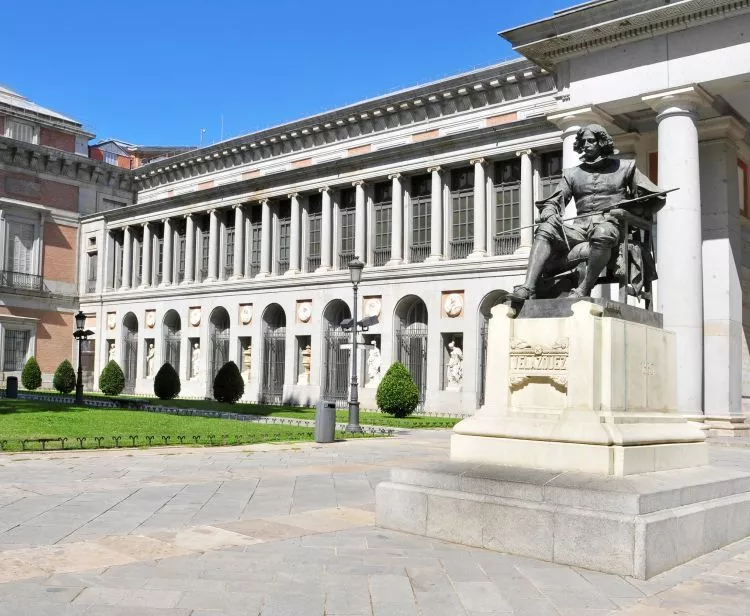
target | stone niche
[{"x": 578, "y": 456}]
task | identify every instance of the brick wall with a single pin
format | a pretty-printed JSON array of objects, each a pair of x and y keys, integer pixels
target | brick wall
[
  {"x": 34, "y": 189},
  {"x": 59, "y": 255},
  {"x": 54, "y": 334},
  {"x": 56, "y": 139}
]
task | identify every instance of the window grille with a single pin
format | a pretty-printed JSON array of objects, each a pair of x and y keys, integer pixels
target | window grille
[
  {"x": 285, "y": 235},
  {"x": 421, "y": 200},
  {"x": 91, "y": 269},
  {"x": 21, "y": 131},
  {"x": 159, "y": 259},
  {"x": 181, "y": 254},
  {"x": 382, "y": 211},
  {"x": 16, "y": 348},
  {"x": 347, "y": 227},
  {"x": 507, "y": 206},
  {"x": 256, "y": 231},
  {"x": 204, "y": 254},
  {"x": 462, "y": 238},
  {"x": 229, "y": 252}
]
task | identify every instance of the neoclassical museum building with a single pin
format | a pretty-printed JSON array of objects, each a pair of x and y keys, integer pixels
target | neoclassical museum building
[{"x": 239, "y": 250}]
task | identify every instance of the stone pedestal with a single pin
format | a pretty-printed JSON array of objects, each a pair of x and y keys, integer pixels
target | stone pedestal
[
  {"x": 579, "y": 456},
  {"x": 580, "y": 386}
]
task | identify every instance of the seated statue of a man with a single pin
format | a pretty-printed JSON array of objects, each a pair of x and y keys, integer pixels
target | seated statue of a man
[{"x": 598, "y": 184}]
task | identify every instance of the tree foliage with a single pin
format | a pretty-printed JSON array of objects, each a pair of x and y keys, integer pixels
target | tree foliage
[
  {"x": 64, "y": 380},
  {"x": 398, "y": 394},
  {"x": 112, "y": 379},
  {"x": 166, "y": 382},
  {"x": 229, "y": 384},
  {"x": 31, "y": 377}
]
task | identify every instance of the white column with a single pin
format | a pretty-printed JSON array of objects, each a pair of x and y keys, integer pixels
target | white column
[
  {"x": 436, "y": 215},
  {"x": 146, "y": 254},
  {"x": 360, "y": 227},
  {"x": 239, "y": 240},
  {"x": 295, "y": 234},
  {"x": 189, "y": 249},
  {"x": 679, "y": 240},
  {"x": 213, "y": 245},
  {"x": 265, "y": 239},
  {"x": 326, "y": 239},
  {"x": 166, "y": 265},
  {"x": 526, "y": 218},
  {"x": 480, "y": 210},
  {"x": 397, "y": 221},
  {"x": 127, "y": 252}
]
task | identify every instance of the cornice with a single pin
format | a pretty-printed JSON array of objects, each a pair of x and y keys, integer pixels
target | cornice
[
  {"x": 41, "y": 159},
  {"x": 595, "y": 26},
  {"x": 508, "y": 82}
]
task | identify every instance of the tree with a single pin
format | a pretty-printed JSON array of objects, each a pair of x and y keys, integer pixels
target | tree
[
  {"x": 31, "y": 377},
  {"x": 398, "y": 394},
  {"x": 112, "y": 379},
  {"x": 64, "y": 380},
  {"x": 229, "y": 384},
  {"x": 166, "y": 382}
]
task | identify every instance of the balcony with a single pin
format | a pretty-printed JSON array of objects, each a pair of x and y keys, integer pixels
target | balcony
[
  {"x": 313, "y": 263},
  {"x": 506, "y": 244},
  {"x": 460, "y": 249},
  {"x": 20, "y": 280},
  {"x": 283, "y": 265},
  {"x": 419, "y": 252},
  {"x": 381, "y": 256},
  {"x": 344, "y": 259}
]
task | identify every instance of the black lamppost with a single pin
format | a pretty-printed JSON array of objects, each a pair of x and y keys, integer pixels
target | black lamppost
[
  {"x": 80, "y": 334},
  {"x": 355, "y": 270}
]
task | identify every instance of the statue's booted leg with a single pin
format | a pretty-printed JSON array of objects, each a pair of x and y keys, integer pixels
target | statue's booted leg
[
  {"x": 603, "y": 239},
  {"x": 541, "y": 250}
]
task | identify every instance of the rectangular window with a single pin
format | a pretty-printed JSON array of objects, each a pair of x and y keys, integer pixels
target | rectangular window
[
  {"x": 382, "y": 206},
  {"x": 462, "y": 210},
  {"x": 347, "y": 208},
  {"x": 256, "y": 231},
  {"x": 314, "y": 223},
  {"x": 21, "y": 131},
  {"x": 159, "y": 259},
  {"x": 181, "y": 254},
  {"x": 507, "y": 206},
  {"x": 285, "y": 235},
  {"x": 91, "y": 269},
  {"x": 110, "y": 158},
  {"x": 138, "y": 259},
  {"x": 551, "y": 172},
  {"x": 421, "y": 200},
  {"x": 229, "y": 253},
  {"x": 21, "y": 247},
  {"x": 16, "y": 348},
  {"x": 205, "y": 245}
]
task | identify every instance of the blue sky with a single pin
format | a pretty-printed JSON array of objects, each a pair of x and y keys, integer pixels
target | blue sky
[{"x": 157, "y": 72}]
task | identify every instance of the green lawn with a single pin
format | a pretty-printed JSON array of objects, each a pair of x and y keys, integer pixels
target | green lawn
[
  {"x": 372, "y": 418},
  {"x": 26, "y": 419}
]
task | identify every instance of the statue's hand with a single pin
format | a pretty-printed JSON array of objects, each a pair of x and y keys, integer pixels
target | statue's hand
[{"x": 616, "y": 214}]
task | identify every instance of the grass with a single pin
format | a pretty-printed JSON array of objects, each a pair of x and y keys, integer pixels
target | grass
[
  {"x": 26, "y": 419},
  {"x": 372, "y": 418}
]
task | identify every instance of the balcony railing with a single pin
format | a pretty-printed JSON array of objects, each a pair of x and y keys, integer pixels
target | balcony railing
[
  {"x": 283, "y": 266},
  {"x": 506, "y": 244},
  {"x": 381, "y": 256},
  {"x": 254, "y": 269},
  {"x": 20, "y": 280},
  {"x": 419, "y": 253},
  {"x": 460, "y": 249},
  {"x": 313, "y": 263},
  {"x": 344, "y": 259}
]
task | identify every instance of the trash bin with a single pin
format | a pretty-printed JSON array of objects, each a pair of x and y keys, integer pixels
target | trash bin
[
  {"x": 11, "y": 387},
  {"x": 325, "y": 422}
]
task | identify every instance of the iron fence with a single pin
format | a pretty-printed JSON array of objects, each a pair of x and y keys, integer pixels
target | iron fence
[
  {"x": 313, "y": 263},
  {"x": 381, "y": 256},
  {"x": 506, "y": 244},
  {"x": 345, "y": 258},
  {"x": 460, "y": 249},
  {"x": 419, "y": 253},
  {"x": 20, "y": 280}
]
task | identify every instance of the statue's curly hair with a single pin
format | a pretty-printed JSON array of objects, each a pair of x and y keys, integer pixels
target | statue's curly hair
[{"x": 606, "y": 143}]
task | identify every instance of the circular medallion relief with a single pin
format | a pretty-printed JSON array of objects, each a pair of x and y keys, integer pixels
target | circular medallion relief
[
  {"x": 195, "y": 317},
  {"x": 246, "y": 314},
  {"x": 453, "y": 304},
  {"x": 304, "y": 311},
  {"x": 111, "y": 322},
  {"x": 372, "y": 307},
  {"x": 150, "y": 318}
]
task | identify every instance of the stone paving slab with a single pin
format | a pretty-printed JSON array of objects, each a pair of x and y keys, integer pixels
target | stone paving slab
[{"x": 288, "y": 529}]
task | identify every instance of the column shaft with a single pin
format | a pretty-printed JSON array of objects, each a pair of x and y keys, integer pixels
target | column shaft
[
  {"x": 480, "y": 210},
  {"x": 526, "y": 218},
  {"x": 436, "y": 215},
  {"x": 360, "y": 226},
  {"x": 213, "y": 246},
  {"x": 239, "y": 243},
  {"x": 127, "y": 251},
  {"x": 326, "y": 239},
  {"x": 397, "y": 221},
  {"x": 265, "y": 239},
  {"x": 146, "y": 254},
  {"x": 295, "y": 234},
  {"x": 189, "y": 248},
  {"x": 166, "y": 266}
]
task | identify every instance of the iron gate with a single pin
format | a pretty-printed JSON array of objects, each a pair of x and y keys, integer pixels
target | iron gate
[
  {"x": 411, "y": 345},
  {"x": 219, "y": 354},
  {"x": 88, "y": 350},
  {"x": 130, "y": 359},
  {"x": 274, "y": 357},
  {"x": 482, "y": 361},
  {"x": 172, "y": 341},
  {"x": 336, "y": 370}
]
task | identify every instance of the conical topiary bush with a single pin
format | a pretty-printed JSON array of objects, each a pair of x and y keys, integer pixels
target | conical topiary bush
[
  {"x": 229, "y": 384},
  {"x": 166, "y": 383},
  {"x": 398, "y": 394},
  {"x": 31, "y": 377},
  {"x": 64, "y": 380},
  {"x": 112, "y": 379}
]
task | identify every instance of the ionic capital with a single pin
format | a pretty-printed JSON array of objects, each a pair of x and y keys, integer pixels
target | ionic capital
[
  {"x": 294, "y": 195},
  {"x": 394, "y": 176},
  {"x": 527, "y": 152},
  {"x": 324, "y": 189},
  {"x": 477, "y": 161},
  {"x": 358, "y": 183},
  {"x": 435, "y": 169}
]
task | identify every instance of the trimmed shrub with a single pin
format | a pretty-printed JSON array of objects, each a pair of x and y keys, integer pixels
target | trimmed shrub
[
  {"x": 31, "y": 377},
  {"x": 112, "y": 379},
  {"x": 64, "y": 380},
  {"x": 166, "y": 382},
  {"x": 229, "y": 384},
  {"x": 397, "y": 394}
]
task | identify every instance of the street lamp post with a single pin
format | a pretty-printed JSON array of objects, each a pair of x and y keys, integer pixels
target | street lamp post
[
  {"x": 80, "y": 334},
  {"x": 355, "y": 270}
]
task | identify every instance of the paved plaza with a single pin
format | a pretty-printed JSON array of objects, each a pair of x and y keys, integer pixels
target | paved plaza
[{"x": 288, "y": 530}]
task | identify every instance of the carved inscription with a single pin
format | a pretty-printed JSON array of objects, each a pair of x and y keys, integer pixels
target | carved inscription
[{"x": 538, "y": 362}]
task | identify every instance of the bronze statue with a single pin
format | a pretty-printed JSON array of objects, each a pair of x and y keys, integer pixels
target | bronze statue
[{"x": 615, "y": 203}]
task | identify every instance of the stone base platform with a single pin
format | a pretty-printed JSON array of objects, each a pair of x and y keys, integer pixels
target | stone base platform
[{"x": 639, "y": 525}]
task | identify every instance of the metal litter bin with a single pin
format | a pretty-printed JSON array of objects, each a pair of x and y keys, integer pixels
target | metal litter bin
[
  {"x": 325, "y": 422},
  {"x": 11, "y": 387}
]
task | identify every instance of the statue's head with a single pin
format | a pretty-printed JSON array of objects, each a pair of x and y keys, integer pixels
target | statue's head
[{"x": 593, "y": 142}]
